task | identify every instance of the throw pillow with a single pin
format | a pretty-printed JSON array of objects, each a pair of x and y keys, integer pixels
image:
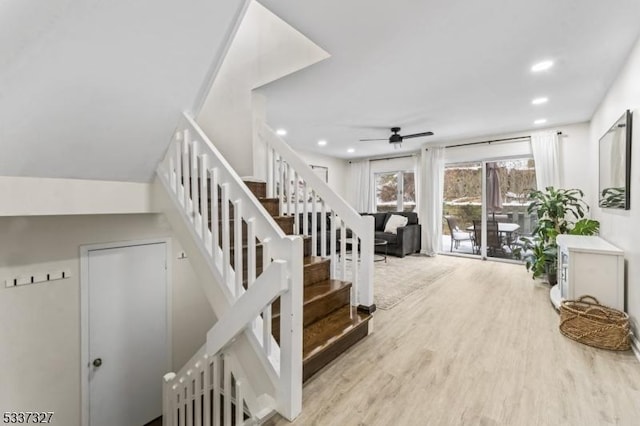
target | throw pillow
[{"x": 395, "y": 221}]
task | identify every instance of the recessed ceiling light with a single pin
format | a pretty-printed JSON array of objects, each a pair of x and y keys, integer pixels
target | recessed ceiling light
[
  {"x": 540, "y": 121},
  {"x": 281, "y": 132},
  {"x": 542, "y": 66},
  {"x": 322, "y": 142},
  {"x": 351, "y": 150},
  {"x": 539, "y": 101}
]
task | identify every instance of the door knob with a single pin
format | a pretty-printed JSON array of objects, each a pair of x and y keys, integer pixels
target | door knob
[{"x": 97, "y": 362}]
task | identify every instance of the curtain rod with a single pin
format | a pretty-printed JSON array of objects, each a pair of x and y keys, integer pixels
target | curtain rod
[
  {"x": 492, "y": 141},
  {"x": 390, "y": 158}
]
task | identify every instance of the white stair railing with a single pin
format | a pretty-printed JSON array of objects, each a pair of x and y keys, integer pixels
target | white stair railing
[
  {"x": 235, "y": 235},
  {"x": 342, "y": 233},
  {"x": 212, "y": 388}
]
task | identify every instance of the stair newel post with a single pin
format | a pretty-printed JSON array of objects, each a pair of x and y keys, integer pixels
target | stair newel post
[
  {"x": 266, "y": 314},
  {"x": 168, "y": 397},
  {"x": 204, "y": 199},
  {"x": 365, "y": 290},
  {"x": 237, "y": 246},
  {"x": 195, "y": 198},
  {"x": 186, "y": 141},
  {"x": 213, "y": 190},
  {"x": 314, "y": 224},
  {"x": 178, "y": 163},
  {"x": 290, "y": 389},
  {"x": 225, "y": 225}
]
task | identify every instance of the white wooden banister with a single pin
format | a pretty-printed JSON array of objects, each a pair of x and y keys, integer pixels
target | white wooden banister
[{"x": 225, "y": 236}]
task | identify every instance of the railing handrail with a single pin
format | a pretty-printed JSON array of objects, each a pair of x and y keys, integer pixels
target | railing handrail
[{"x": 337, "y": 203}]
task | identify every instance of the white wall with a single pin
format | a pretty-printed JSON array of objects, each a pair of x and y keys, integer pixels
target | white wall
[
  {"x": 40, "y": 336},
  {"x": 265, "y": 48},
  {"x": 622, "y": 227},
  {"x": 27, "y": 196},
  {"x": 337, "y": 167}
]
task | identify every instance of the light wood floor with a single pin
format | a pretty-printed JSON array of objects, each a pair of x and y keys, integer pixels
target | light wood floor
[{"x": 478, "y": 347}]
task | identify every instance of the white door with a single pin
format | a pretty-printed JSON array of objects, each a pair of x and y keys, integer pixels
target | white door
[{"x": 128, "y": 351}]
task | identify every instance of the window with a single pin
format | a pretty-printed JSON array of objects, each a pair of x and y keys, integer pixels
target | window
[{"x": 395, "y": 191}]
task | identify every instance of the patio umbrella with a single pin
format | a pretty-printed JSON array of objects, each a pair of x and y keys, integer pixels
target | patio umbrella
[{"x": 494, "y": 195}]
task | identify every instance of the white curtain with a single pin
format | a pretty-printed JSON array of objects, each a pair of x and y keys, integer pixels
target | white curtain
[
  {"x": 546, "y": 154},
  {"x": 360, "y": 186},
  {"x": 430, "y": 185}
]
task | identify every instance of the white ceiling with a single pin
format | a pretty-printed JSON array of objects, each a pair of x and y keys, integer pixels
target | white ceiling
[
  {"x": 94, "y": 89},
  {"x": 459, "y": 68}
]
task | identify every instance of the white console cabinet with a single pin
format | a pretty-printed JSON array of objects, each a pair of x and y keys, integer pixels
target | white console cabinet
[{"x": 589, "y": 265}]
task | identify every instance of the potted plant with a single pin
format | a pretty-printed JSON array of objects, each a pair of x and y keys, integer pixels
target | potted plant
[{"x": 559, "y": 211}]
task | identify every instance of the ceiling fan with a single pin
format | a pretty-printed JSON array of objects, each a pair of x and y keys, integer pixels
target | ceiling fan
[{"x": 396, "y": 138}]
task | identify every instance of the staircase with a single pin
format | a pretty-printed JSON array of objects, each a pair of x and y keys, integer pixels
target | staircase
[
  {"x": 286, "y": 302},
  {"x": 330, "y": 324}
]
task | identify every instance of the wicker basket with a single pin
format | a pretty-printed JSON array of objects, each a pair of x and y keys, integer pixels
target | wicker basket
[{"x": 587, "y": 321}]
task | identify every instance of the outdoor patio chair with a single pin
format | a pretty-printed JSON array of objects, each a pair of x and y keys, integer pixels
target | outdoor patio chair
[{"x": 457, "y": 234}]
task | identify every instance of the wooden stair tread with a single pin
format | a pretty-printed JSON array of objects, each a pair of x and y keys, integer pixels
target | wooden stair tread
[
  {"x": 317, "y": 291},
  {"x": 319, "y": 336}
]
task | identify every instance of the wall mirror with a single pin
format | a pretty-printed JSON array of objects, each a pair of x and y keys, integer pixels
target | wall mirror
[{"x": 615, "y": 165}]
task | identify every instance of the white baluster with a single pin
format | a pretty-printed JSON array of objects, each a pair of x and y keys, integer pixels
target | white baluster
[
  {"x": 334, "y": 251},
  {"x": 239, "y": 403},
  {"x": 266, "y": 314},
  {"x": 355, "y": 250},
  {"x": 289, "y": 191},
  {"x": 296, "y": 218},
  {"x": 215, "y": 223},
  {"x": 198, "y": 381},
  {"x": 195, "y": 197},
  {"x": 271, "y": 186},
  {"x": 343, "y": 249},
  {"x": 227, "y": 390},
  {"x": 323, "y": 229},
  {"x": 204, "y": 200},
  {"x": 186, "y": 176},
  {"x": 216, "y": 391},
  {"x": 314, "y": 226},
  {"x": 281, "y": 182},
  {"x": 225, "y": 225},
  {"x": 305, "y": 210},
  {"x": 206, "y": 390},
  {"x": 179, "y": 177},
  {"x": 251, "y": 251},
  {"x": 168, "y": 398},
  {"x": 237, "y": 240},
  {"x": 189, "y": 398}
]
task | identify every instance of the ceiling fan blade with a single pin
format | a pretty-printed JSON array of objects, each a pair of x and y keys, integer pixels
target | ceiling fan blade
[
  {"x": 368, "y": 140},
  {"x": 417, "y": 135}
]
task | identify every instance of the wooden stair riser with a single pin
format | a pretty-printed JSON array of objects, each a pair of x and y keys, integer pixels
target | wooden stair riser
[
  {"x": 316, "y": 308},
  {"x": 313, "y": 364},
  {"x": 259, "y": 189},
  {"x": 272, "y": 205},
  {"x": 316, "y": 272}
]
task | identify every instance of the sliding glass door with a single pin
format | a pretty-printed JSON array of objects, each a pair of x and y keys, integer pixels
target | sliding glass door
[{"x": 487, "y": 200}]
